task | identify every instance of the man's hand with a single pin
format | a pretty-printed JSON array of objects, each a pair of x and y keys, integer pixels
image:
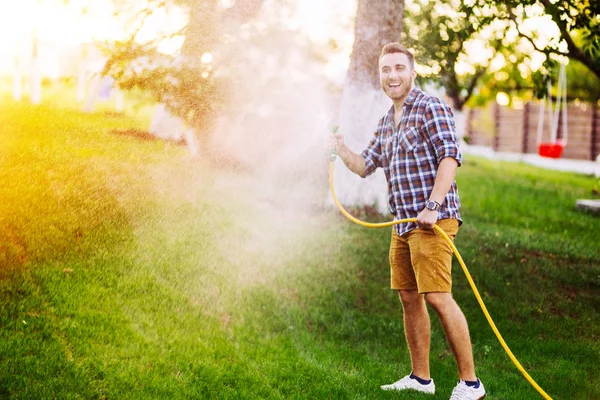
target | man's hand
[
  {"x": 354, "y": 161},
  {"x": 337, "y": 142},
  {"x": 427, "y": 218}
]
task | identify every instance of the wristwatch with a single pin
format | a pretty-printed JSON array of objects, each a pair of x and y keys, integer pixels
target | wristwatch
[{"x": 433, "y": 205}]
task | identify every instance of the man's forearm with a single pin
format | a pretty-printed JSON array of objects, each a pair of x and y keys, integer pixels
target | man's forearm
[
  {"x": 353, "y": 161},
  {"x": 445, "y": 176}
]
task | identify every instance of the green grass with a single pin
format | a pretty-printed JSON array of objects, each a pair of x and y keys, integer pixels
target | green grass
[{"x": 130, "y": 271}]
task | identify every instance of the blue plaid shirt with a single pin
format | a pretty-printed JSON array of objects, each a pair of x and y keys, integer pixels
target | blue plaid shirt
[{"x": 411, "y": 153}]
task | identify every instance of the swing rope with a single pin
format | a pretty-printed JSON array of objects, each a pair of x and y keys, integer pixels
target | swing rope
[{"x": 553, "y": 115}]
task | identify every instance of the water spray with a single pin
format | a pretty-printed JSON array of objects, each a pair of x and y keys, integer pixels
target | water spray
[{"x": 332, "y": 158}]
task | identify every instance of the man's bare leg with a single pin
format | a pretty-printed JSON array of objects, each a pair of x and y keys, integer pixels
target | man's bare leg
[
  {"x": 417, "y": 328},
  {"x": 456, "y": 329}
]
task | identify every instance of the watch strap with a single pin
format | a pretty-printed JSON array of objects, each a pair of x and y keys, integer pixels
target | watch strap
[{"x": 433, "y": 205}]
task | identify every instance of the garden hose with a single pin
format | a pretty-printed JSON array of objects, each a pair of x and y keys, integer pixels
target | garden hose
[{"x": 332, "y": 157}]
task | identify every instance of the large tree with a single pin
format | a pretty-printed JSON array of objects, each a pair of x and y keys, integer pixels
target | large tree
[
  {"x": 249, "y": 86},
  {"x": 189, "y": 87},
  {"x": 577, "y": 23},
  {"x": 441, "y": 50},
  {"x": 513, "y": 35},
  {"x": 363, "y": 102}
]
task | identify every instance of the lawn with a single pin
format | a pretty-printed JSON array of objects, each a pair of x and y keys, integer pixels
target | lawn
[{"x": 129, "y": 270}]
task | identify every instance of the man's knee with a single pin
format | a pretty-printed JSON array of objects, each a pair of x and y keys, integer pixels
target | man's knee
[
  {"x": 439, "y": 301},
  {"x": 410, "y": 298}
]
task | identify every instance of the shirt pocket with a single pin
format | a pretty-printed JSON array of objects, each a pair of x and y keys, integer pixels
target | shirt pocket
[{"x": 409, "y": 140}]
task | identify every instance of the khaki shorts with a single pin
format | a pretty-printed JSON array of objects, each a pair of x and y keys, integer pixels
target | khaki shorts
[{"x": 422, "y": 259}]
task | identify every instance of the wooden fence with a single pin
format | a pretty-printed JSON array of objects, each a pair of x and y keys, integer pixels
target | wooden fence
[{"x": 516, "y": 130}]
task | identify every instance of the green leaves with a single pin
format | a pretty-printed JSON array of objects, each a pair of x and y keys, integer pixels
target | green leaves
[{"x": 505, "y": 30}]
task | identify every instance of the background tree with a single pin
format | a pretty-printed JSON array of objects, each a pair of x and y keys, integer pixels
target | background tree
[
  {"x": 577, "y": 38},
  {"x": 190, "y": 84},
  {"x": 512, "y": 36},
  {"x": 251, "y": 87},
  {"x": 440, "y": 51},
  {"x": 363, "y": 102}
]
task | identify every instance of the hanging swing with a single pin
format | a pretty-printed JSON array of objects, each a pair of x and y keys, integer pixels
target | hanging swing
[{"x": 554, "y": 148}]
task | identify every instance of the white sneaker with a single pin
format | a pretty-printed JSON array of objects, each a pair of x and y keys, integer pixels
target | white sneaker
[
  {"x": 407, "y": 383},
  {"x": 464, "y": 392}
]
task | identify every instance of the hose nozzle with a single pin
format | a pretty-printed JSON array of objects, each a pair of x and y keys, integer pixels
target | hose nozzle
[{"x": 332, "y": 155}]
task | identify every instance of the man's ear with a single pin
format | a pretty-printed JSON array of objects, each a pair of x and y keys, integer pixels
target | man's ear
[{"x": 413, "y": 74}]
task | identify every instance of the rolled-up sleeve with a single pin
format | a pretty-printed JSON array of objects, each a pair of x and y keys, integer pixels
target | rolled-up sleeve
[
  {"x": 372, "y": 155},
  {"x": 439, "y": 125}
]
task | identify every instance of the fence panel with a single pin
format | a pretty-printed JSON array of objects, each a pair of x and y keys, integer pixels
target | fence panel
[
  {"x": 509, "y": 130},
  {"x": 516, "y": 130}
]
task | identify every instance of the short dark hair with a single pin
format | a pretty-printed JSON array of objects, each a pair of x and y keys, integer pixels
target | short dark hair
[{"x": 395, "y": 47}]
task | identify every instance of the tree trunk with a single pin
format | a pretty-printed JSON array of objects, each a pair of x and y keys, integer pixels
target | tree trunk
[
  {"x": 17, "y": 79},
  {"x": 35, "y": 77},
  {"x": 363, "y": 102},
  {"x": 200, "y": 37},
  {"x": 201, "y": 33},
  {"x": 82, "y": 74},
  {"x": 204, "y": 29}
]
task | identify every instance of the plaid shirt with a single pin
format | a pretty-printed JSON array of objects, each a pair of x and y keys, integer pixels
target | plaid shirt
[{"x": 411, "y": 153}]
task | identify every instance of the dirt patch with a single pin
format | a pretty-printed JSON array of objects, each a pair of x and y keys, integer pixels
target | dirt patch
[
  {"x": 13, "y": 249},
  {"x": 145, "y": 136}
]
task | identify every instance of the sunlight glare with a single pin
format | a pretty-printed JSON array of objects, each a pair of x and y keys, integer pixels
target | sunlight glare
[
  {"x": 502, "y": 99},
  {"x": 326, "y": 23},
  {"x": 61, "y": 27},
  {"x": 206, "y": 58}
]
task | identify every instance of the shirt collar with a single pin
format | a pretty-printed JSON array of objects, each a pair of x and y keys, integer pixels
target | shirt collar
[
  {"x": 391, "y": 112},
  {"x": 412, "y": 96},
  {"x": 408, "y": 102}
]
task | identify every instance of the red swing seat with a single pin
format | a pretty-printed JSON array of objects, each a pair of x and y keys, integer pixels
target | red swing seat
[{"x": 551, "y": 149}]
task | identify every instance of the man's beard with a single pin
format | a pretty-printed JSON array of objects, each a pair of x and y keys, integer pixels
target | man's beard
[{"x": 399, "y": 93}]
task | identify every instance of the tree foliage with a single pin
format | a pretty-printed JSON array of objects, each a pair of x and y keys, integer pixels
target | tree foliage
[
  {"x": 578, "y": 27},
  {"x": 195, "y": 83},
  {"x": 504, "y": 31},
  {"x": 440, "y": 50}
]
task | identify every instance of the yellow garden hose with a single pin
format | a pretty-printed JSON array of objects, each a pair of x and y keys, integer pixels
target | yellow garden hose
[{"x": 460, "y": 260}]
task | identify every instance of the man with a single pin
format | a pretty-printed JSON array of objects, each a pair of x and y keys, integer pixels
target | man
[{"x": 416, "y": 146}]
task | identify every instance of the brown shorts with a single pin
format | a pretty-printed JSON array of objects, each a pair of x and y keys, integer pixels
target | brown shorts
[{"x": 422, "y": 259}]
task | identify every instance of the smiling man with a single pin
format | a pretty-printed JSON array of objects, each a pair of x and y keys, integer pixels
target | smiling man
[{"x": 416, "y": 146}]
